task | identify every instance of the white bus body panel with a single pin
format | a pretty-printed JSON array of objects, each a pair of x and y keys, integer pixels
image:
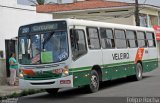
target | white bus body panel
[{"x": 28, "y": 84}]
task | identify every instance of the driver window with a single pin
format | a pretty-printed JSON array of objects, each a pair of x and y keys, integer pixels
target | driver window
[{"x": 35, "y": 49}]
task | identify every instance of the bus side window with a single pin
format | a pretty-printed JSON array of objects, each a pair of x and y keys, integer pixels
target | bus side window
[
  {"x": 107, "y": 38},
  {"x": 150, "y": 39},
  {"x": 78, "y": 43},
  {"x": 93, "y": 38},
  {"x": 131, "y": 37},
  {"x": 141, "y": 39},
  {"x": 120, "y": 39}
]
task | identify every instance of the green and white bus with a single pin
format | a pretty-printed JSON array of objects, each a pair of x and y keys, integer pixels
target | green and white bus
[{"x": 72, "y": 53}]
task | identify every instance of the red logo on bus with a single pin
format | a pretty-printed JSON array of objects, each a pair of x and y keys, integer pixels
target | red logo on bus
[{"x": 139, "y": 54}]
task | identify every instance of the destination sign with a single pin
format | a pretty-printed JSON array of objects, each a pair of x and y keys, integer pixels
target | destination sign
[
  {"x": 25, "y": 30},
  {"x": 44, "y": 27}
]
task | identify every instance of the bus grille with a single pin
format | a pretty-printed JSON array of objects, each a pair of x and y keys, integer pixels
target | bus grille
[{"x": 42, "y": 76}]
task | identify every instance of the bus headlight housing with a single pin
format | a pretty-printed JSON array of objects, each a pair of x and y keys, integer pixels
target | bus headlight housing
[
  {"x": 65, "y": 71},
  {"x": 21, "y": 73},
  {"x": 21, "y": 76},
  {"x": 25, "y": 72}
]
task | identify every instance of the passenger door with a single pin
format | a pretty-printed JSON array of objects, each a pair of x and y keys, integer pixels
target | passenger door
[
  {"x": 152, "y": 51},
  {"x": 141, "y": 39}
]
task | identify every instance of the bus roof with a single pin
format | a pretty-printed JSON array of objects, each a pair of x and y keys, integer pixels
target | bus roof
[
  {"x": 80, "y": 22},
  {"x": 106, "y": 25}
]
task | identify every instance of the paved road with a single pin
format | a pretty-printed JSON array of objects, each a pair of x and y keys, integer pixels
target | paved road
[{"x": 121, "y": 88}]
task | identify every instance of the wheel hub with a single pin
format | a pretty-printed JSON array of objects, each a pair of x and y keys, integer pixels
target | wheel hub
[{"x": 94, "y": 81}]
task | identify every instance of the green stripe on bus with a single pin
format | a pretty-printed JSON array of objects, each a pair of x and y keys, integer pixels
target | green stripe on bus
[
  {"x": 80, "y": 69},
  {"x": 109, "y": 65},
  {"x": 112, "y": 71}
]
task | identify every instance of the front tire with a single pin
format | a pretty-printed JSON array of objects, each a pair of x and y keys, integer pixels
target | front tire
[
  {"x": 52, "y": 91},
  {"x": 94, "y": 82}
]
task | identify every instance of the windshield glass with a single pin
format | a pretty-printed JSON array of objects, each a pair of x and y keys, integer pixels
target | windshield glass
[{"x": 43, "y": 48}]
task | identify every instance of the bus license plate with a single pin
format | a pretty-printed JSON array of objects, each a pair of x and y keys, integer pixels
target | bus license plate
[{"x": 65, "y": 81}]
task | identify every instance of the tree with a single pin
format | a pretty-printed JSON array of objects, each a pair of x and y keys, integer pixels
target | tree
[
  {"x": 40, "y": 2},
  {"x": 37, "y": 2}
]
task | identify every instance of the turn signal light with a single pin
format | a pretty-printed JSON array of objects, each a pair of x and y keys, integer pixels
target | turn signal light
[{"x": 28, "y": 72}]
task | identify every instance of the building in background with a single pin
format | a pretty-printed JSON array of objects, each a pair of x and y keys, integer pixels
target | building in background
[
  {"x": 105, "y": 11},
  {"x": 12, "y": 17}
]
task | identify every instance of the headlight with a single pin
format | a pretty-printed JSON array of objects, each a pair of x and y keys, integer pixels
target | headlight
[
  {"x": 65, "y": 71},
  {"x": 20, "y": 75}
]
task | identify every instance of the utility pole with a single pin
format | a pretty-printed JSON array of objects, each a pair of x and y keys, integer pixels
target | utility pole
[
  {"x": 137, "y": 20},
  {"x": 59, "y": 1}
]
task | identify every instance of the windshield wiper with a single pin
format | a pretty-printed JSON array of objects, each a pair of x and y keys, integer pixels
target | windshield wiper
[{"x": 48, "y": 38}]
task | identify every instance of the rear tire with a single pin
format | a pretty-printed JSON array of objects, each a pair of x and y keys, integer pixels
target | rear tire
[
  {"x": 52, "y": 91},
  {"x": 94, "y": 82},
  {"x": 139, "y": 71}
]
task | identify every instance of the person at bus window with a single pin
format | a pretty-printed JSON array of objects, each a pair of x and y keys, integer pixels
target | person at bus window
[{"x": 13, "y": 69}]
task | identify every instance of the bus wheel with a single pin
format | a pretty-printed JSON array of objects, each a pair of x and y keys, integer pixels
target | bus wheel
[
  {"x": 52, "y": 91},
  {"x": 139, "y": 70},
  {"x": 94, "y": 82}
]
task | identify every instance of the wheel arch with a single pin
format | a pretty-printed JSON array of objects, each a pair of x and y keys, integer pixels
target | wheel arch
[{"x": 99, "y": 71}]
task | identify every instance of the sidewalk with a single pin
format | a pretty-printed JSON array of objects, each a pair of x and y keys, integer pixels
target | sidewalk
[
  {"x": 9, "y": 90},
  {"x": 15, "y": 91}
]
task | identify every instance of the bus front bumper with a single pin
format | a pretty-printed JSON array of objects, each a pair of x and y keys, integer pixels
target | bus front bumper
[{"x": 45, "y": 84}]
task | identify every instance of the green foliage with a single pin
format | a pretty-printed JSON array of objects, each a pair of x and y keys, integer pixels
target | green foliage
[
  {"x": 14, "y": 95},
  {"x": 40, "y": 2}
]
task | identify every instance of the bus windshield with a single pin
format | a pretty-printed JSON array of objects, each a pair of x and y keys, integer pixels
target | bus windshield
[
  {"x": 43, "y": 43},
  {"x": 45, "y": 47}
]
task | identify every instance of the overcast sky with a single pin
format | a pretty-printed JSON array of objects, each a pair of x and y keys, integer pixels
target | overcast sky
[
  {"x": 151, "y": 2},
  {"x": 28, "y": 2}
]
